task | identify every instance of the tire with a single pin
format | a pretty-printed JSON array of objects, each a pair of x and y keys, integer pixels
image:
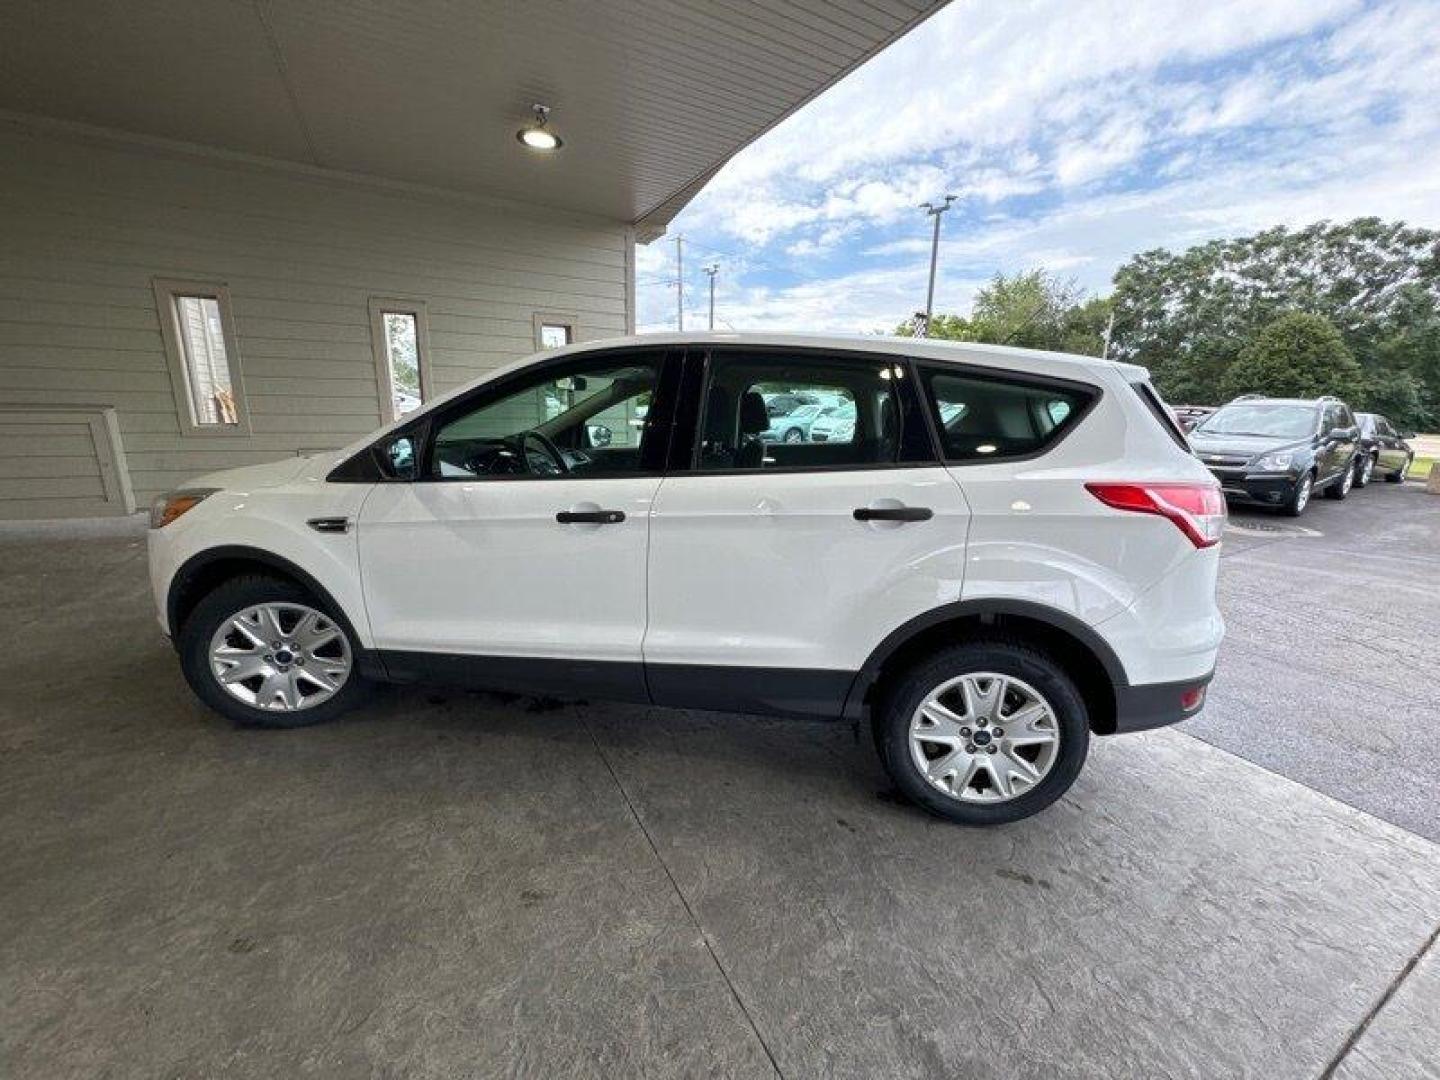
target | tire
[
  {"x": 298, "y": 682},
  {"x": 1364, "y": 470},
  {"x": 1032, "y": 679},
  {"x": 794, "y": 435},
  {"x": 1299, "y": 498},
  {"x": 1399, "y": 477},
  {"x": 1341, "y": 485}
]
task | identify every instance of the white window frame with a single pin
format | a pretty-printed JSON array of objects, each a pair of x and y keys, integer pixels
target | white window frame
[
  {"x": 167, "y": 291},
  {"x": 380, "y": 306},
  {"x": 552, "y": 318}
]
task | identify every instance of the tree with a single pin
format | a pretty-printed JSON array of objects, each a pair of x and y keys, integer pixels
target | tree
[
  {"x": 1033, "y": 309},
  {"x": 1296, "y": 355},
  {"x": 1187, "y": 316}
]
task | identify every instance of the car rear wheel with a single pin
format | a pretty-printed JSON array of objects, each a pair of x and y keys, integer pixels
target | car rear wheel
[
  {"x": 265, "y": 653},
  {"x": 983, "y": 733},
  {"x": 1398, "y": 477},
  {"x": 1299, "y": 498},
  {"x": 1365, "y": 470},
  {"x": 794, "y": 435},
  {"x": 1340, "y": 487}
]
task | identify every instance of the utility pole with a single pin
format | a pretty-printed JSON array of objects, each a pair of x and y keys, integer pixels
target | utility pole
[
  {"x": 1109, "y": 329},
  {"x": 711, "y": 271},
  {"x": 931, "y": 210},
  {"x": 680, "y": 283}
]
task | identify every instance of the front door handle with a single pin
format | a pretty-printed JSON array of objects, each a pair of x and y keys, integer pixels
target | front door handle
[
  {"x": 590, "y": 517},
  {"x": 893, "y": 513}
]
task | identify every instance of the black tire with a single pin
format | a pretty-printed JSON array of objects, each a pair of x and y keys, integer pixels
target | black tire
[
  {"x": 223, "y": 603},
  {"x": 1294, "y": 505},
  {"x": 1338, "y": 488},
  {"x": 1399, "y": 477},
  {"x": 1365, "y": 469},
  {"x": 902, "y": 698},
  {"x": 794, "y": 435}
]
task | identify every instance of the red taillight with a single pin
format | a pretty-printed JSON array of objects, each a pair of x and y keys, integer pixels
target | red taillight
[
  {"x": 1197, "y": 509},
  {"x": 1192, "y": 699}
]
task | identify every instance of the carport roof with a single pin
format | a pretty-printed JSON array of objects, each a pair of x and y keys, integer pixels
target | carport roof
[{"x": 651, "y": 96}]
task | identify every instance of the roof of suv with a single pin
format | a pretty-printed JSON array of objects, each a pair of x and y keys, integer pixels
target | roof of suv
[{"x": 954, "y": 351}]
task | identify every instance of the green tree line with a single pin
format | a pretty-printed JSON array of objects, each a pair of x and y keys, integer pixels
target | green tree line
[{"x": 1351, "y": 309}]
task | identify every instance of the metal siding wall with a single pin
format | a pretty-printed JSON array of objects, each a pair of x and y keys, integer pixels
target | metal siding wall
[{"x": 86, "y": 229}]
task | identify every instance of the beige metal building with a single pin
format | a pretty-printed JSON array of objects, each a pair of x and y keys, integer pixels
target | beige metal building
[{"x": 231, "y": 229}]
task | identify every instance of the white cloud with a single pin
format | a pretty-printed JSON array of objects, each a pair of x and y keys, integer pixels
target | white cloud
[{"x": 1077, "y": 135}]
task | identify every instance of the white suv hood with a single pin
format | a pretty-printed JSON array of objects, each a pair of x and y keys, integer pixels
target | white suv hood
[{"x": 250, "y": 477}]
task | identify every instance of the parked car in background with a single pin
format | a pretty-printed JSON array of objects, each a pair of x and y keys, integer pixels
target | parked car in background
[
  {"x": 835, "y": 424},
  {"x": 927, "y": 582},
  {"x": 1383, "y": 450},
  {"x": 1279, "y": 451},
  {"x": 782, "y": 404},
  {"x": 1187, "y": 416},
  {"x": 792, "y": 427}
]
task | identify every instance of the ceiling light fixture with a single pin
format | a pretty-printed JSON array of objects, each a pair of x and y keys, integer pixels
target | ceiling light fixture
[{"x": 537, "y": 136}]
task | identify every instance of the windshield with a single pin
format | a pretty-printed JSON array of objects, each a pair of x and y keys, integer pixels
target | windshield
[{"x": 1271, "y": 421}]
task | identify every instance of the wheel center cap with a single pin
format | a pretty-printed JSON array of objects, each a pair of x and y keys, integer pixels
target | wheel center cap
[
  {"x": 284, "y": 656},
  {"x": 982, "y": 738}
]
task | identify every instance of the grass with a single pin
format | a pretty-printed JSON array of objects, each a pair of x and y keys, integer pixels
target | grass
[{"x": 1420, "y": 468}]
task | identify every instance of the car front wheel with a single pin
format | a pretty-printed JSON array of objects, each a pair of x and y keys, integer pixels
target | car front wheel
[
  {"x": 983, "y": 733},
  {"x": 265, "y": 653},
  {"x": 1299, "y": 498}
]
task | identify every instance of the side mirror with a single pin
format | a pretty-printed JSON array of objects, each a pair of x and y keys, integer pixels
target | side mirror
[
  {"x": 1406, "y": 434},
  {"x": 599, "y": 434},
  {"x": 401, "y": 459}
]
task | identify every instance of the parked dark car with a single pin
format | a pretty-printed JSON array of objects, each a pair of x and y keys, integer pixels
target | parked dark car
[
  {"x": 1278, "y": 451},
  {"x": 1187, "y": 416},
  {"x": 1383, "y": 450}
]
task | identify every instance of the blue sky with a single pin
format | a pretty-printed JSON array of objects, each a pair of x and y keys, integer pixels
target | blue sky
[{"x": 1075, "y": 133}]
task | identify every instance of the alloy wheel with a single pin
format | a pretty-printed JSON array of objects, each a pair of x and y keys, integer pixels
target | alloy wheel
[
  {"x": 1347, "y": 481},
  {"x": 984, "y": 737},
  {"x": 280, "y": 657},
  {"x": 1302, "y": 497},
  {"x": 1367, "y": 469}
]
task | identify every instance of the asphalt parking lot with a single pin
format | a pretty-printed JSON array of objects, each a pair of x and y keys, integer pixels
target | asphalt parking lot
[
  {"x": 1329, "y": 672},
  {"x": 451, "y": 885}
]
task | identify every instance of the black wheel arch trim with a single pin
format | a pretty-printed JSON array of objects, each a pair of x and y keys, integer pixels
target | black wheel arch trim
[
  {"x": 370, "y": 661},
  {"x": 869, "y": 673}
]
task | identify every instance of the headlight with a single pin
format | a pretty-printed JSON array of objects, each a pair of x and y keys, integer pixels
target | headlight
[
  {"x": 1274, "y": 462},
  {"x": 166, "y": 508}
]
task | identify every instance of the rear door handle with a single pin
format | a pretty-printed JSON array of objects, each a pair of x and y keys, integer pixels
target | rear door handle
[
  {"x": 590, "y": 517},
  {"x": 894, "y": 513}
]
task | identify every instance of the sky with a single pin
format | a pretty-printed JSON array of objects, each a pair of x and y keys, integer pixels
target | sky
[{"x": 1074, "y": 133}]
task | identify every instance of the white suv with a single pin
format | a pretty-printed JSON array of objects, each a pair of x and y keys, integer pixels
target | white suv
[{"x": 1008, "y": 551}]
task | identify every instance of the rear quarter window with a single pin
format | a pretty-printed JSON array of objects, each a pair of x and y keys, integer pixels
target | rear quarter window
[
  {"x": 1162, "y": 414},
  {"x": 993, "y": 417}
]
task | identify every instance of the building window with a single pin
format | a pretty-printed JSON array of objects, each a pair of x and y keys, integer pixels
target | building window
[
  {"x": 199, "y": 335},
  {"x": 400, "y": 331},
  {"x": 554, "y": 331}
]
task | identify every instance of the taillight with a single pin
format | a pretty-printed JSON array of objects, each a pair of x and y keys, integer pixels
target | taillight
[{"x": 1197, "y": 509}]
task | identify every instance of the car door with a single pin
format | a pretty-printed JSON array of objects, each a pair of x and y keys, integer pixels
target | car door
[
  {"x": 1391, "y": 447},
  {"x": 1333, "y": 449},
  {"x": 516, "y": 556},
  {"x": 776, "y": 568}
]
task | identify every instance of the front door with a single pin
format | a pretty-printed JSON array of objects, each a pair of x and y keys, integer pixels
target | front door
[
  {"x": 517, "y": 557},
  {"x": 777, "y": 566}
]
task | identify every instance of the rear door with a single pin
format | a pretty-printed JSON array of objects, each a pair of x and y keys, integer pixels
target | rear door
[{"x": 776, "y": 568}]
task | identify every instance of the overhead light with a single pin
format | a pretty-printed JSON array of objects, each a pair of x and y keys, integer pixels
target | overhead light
[{"x": 537, "y": 136}]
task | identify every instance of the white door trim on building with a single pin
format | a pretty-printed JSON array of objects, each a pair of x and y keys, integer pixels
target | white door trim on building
[{"x": 114, "y": 497}]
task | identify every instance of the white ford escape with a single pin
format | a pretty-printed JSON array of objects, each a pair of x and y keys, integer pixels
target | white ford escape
[{"x": 1005, "y": 552}]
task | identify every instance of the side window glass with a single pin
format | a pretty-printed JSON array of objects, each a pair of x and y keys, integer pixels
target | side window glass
[
  {"x": 763, "y": 412},
  {"x": 985, "y": 417},
  {"x": 583, "y": 419}
]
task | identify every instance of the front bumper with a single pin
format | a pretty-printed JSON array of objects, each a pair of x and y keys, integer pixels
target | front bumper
[
  {"x": 1261, "y": 489},
  {"x": 1152, "y": 705}
]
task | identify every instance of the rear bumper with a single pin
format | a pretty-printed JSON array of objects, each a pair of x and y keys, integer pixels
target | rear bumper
[{"x": 1152, "y": 705}]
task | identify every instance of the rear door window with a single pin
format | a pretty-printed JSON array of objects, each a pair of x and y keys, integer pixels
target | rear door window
[{"x": 990, "y": 417}]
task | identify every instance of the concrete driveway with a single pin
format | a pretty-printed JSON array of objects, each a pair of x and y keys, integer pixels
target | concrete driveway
[{"x": 449, "y": 885}]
